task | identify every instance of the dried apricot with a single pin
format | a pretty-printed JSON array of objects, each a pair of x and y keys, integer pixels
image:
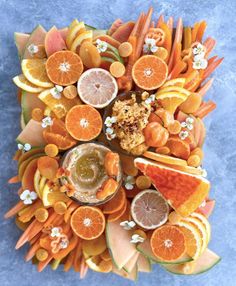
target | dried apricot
[
  {"x": 128, "y": 167},
  {"x": 41, "y": 214},
  {"x": 125, "y": 49},
  {"x": 70, "y": 91},
  {"x": 164, "y": 150},
  {"x": 111, "y": 163},
  {"x": 197, "y": 151},
  {"x": 178, "y": 148},
  {"x": 37, "y": 114},
  {"x": 90, "y": 55},
  {"x": 166, "y": 117},
  {"x": 154, "y": 118},
  {"x": 51, "y": 150},
  {"x": 194, "y": 161},
  {"x": 41, "y": 254},
  {"x": 117, "y": 69},
  {"x": 155, "y": 134},
  {"x": 191, "y": 104},
  {"x": 143, "y": 182},
  {"x": 174, "y": 127},
  {"x": 48, "y": 167}
]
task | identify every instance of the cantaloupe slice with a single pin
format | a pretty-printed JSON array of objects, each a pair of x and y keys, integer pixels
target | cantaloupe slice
[
  {"x": 133, "y": 275},
  {"x": 204, "y": 263},
  {"x": 145, "y": 249},
  {"x": 37, "y": 37},
  {"x": 118, "y": 243},
  {"x": 144, "y": 264},
  {"x": 54, "y": 41},
  {"x": 32, "y": 134},
  {"x": 207, "y": 208},
  {"x": 129, "y": 266},
  {"x": 21, "y": 40},
  {"x": 28, "y": 176}
]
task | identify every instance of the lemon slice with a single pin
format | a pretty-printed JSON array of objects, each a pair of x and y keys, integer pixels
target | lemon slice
[
  {"x": 37, "y": 178},
  {"x": 34, "y": 70},
  {"x": 176, "y": 82},
  {"x": 74, "y": 31},
  {"x": 206, "y": 223},
  {"x": 22, "y": 82},
  {"x": 50, "y": 197},
  {"x": 87, "y": 35},
  {"x": 171, "y": 100},
  {"x": 174, "y": 89}
]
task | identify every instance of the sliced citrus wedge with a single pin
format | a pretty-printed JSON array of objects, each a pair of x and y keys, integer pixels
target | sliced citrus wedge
[
  {"x": 171, "y": 100},
  {"x": 86, "y": 35},
  {"x": 164, "y": 159},
  {"x": 97, "y": 264},
  {"x": 50, "y": 197},
  {"x": 22, "y": 82},
  {"x": 74, "y": 30},
  {"x": 174, "y": 82},
  {"x": 206, "y": 223},
  {"x": 34, "y": 70},
  {"x": 173, "y": 88}
]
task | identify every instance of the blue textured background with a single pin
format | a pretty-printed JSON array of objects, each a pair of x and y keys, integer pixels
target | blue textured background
[{"x": 219, "y": 148}]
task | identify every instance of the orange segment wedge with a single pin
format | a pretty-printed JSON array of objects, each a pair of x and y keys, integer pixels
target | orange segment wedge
[
  {"x": 171, "y": 100},
  {"x": 149, "y": 72},
  {"x": 83, "y": 122},
  {"x": 64, "y": 68},
  {"x": 34, "y": 70},
  {"x": 88, "y": 222}
]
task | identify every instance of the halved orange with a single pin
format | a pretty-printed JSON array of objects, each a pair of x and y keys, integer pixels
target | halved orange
[
  {"x": 83, "y": 122},
  {"x": 64, "y": 67},
  {"x": 168, "y": 243},
  {"x": 149, "y": 72},
  {"x": 88, "y": 222},
  {"x": 34, "y": 70}
]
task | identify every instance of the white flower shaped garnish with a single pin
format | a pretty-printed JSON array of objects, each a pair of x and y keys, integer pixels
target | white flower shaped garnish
[
  {"x": 56, "y": 91},
  {"x": 127, "y": 225},
  {"x": 109, "y": 121},
  {"x": 199, "y": 50},
  {"x": 129, "y": 182},
  {"x": 110, "y": 134},
  {"x": 64, "y": 243},
  {"x": 150, "y": 99},
  {"x": 200, "y": 64},
  {"x": 55, "y": 232},
  {"x": 33, "y": 49},
  {"x": 101, "y": 46},
  {"x": 183, "y": 134},
  {"x": 136, "y": 238},
  {"x": 28, "y": 197},
  {"x": 26, "y": 147},
  {"x": 150, "y": 45},
  {"x": 47, "y": 121},
  {"x": 204, "y": 172},
  {"x": 188, "y": 123}
]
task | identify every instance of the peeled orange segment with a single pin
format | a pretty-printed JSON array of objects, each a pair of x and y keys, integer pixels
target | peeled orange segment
[
  {"x": 88, "y": 222},
  {"x": 75, "y": 29},
  {"x": 193, "y": 240},
  {"x": 183, "y": 191},
  {"x": 149, "y": 72},
  {"x": 165, "y": 159},
  {"x": 64, "y": 67},
  {"x": 168, "y": 243},
  {"x": 84, "y": 36},
  {"x": 171, "y": 100},
  {"x": 22, "y": 82},
  {"x": 83, "y": 122},
  {"x": 34, "y": 70},
  {"x": 63, "y": 143},
  {"x": 149, "y": 209},
  {"x": 59, "y": 106},
  {"x": 97, "y": 87},
  {"x": 206, "y": 223},
  {"x": 174, "y": 89},
  {"x": 174, "y": 82}
]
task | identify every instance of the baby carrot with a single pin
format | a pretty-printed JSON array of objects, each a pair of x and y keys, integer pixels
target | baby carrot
[
  {"x": 187, "y": 38},
  {"x": 203, "y": 89},
  {"x": 205, "y": 109},
  {"x": 194, "y": 31},
  {"x": 14, "y": 210},
  {"x": 201, "y": 31},
  {"x": 14, "y": 180},
  {"x": 211, "y": 67}
]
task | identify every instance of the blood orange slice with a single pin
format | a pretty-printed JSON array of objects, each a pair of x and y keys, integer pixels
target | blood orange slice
[
  {"x": 88, "y": 222},
  {"x": 149, "y": 72},
  {"x": 97, "y": 87},
  {"x": 168, "y": 243},
  {"x": 149, "y": 209},
  {"x": 64, "y": 67},
  {"x": 83, "y": 122}
]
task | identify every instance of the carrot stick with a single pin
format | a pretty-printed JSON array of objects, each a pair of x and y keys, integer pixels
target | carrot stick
[
  {"x": 69, "y": 211},
  {"x": 64, "y": 252},
  {"x": 69, "y": 260},
  {"x": 152, "y": 24},
  {"x": 31, "y": 252},
  {"x": 14, "y": 180},
  {"x": 17, "y": 155},
  {"x": 83, "y": 268},
  {"x": 187, "y": 38},
  {"x": 36, "y": 237},
  {"x": 205, "y": 109},
  {"x": 170, "y": 24},
  {"x": 19, "y": 191},
  {"x": 178, "y": 68},
  {"x": 77, "y": 260},
  {"x": 43, "y": 264},
  {"x": 211, "y": 67},
  {"x": 177, "y": 54},
  {"x": 160, "y": 21},
  {"x": 168, "y": 39},
  {"x": 203, "y": 89},
  {"x": 211, "y": 60},
  {"x": 201, "y": 31},
  {"x": 27, "y": 213},
  {"x": 178, "y": 39},
  {"x": 14, "y": 210},
  {"x": 209, "y": 44},
  {"x": 194, "y": 31}
]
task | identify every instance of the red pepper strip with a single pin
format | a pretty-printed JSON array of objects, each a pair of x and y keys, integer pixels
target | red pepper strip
[
  {"x": 211, "y": 67},
  {"x": 178, "y": 68},
  {"x": 194, "y": 31},
  {"x": 205, "y": 109},
  {"x": 203, "y": 89},
  {"x": 209, "y": 45}
]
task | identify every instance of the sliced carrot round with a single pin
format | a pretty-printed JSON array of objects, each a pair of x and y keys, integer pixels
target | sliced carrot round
[
  {"x": 88, "y": 222},
  {"x": 117, "y": 69},
  {"x": 37, "y": 114},
  {"x": 51, "y": 150},
  {"x": 83, "y": 122},
  {"x": 125, "y": 49},
  {"x": 116, "y": 203},
  {"x": 64, "y": 67},
  {"x": 48, "y": 167}
]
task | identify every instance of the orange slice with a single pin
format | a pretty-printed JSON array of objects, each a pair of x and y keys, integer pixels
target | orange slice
[
  {"x": 34, "y": 70},
  {"x": 164, "y": 159},
  {"x": 171, "y": 100},
  {"x": 22, "y": 82},
  {"x": 116, "y": 203},
  {"x": 83, "y": 122},
  {"x": 64, "y": 67},
  {"x": 168, "y": 243},
  {"x": 115, "y": 216},
  {"x": 88, "y": 222},
  {"x": 97, "y": 87},
  {"x": 149, "y": 72},
  {"x": 175, "y": 82}
]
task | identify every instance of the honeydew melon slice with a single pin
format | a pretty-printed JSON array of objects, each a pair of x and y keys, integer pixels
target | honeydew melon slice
[
  {"x": 204, "y": 263},
  {"x": 144, "y": 264}
]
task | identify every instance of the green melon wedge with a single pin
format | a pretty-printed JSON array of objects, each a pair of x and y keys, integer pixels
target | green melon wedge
[
  {"x": 22, "y": 121},
  {"x": 204, "y": 263},
  {"x": 118, "y": 242},
  {"x": 37, "y": 37},
  {"x": 144, "y": 264},
  {"x": 21, "y": 40},
  {"x": 133, "y": 275},
  {"x": 128, "y": 267},
  {"x": 146, "y": 250}
]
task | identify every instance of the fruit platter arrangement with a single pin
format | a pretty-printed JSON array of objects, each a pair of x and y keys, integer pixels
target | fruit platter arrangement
[{"x": 110, "y": 153}]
